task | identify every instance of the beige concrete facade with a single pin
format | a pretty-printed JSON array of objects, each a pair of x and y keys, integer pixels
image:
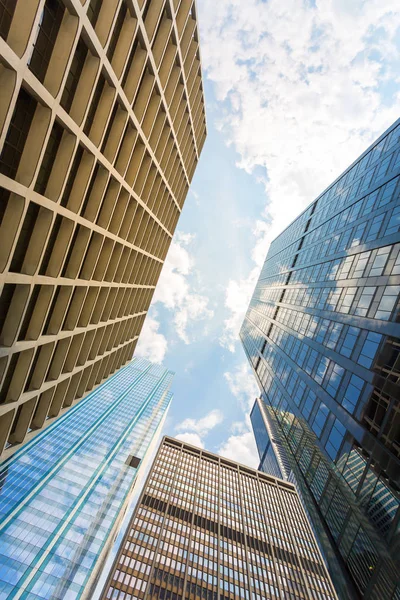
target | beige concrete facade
[
  {"x": 102, "y": 123},
  {"x": 208, "y": 528}
]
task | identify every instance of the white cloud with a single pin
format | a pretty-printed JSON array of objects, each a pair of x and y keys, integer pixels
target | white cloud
[
  {"x": 203, "y": 425},
  {"x": 151, "y": 345},
  {"x": 238, "y": 292},
  {"x": 242, "y": 384},
  {"x": 239, "y": 427},
  {"x": 241, "y": 448},
  {"x": 303, "y": 88},
  {"x": 175, "y": 289},
  {"x": 191, "y": 438}
]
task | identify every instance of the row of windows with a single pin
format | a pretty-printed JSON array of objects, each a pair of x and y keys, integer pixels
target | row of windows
[
  {"x": 331, "y": 200},
  {"x": 336, "y": 234}
]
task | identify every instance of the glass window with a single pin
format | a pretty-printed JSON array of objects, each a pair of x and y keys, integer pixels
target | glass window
[
  {"x": 335, "y": 439},
  {"x": 364, "y": 301},
  {"x": 352, "y": 394},
  {"x": 369, "y": 349},
  {"x": 334, "y": 334},
  {"x": 380, "y": 262},
  {"x": 361, "y": 264},
  {"x": 387, "y": 302},
  {"x": 394, "y": 223},
  {"x": 387, "y": 192},
  {"x": 321, "y": 369},
  {"x": 348, "y": 300},
  {"x": 320, "y": 419},
  {"x": 309, "y": 404},
  {"x": 349, "y": 341},
  {"x": 334, "y": 380},
  {"x": 374, "y": 228}
]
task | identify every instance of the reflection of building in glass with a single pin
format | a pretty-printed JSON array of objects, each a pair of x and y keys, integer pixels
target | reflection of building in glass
[
  {"x": 270, "y": 450},
  {"x": 207, "y": 527},
  {"x": 322, "y": 334},
  {"x": 102, "y": 123},
  {"x": 63, "y": 494}
]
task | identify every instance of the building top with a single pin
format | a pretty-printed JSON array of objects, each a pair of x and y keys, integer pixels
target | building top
[
  {"x": 227, "y": 462},
  {"x": 305, "y": 212}
]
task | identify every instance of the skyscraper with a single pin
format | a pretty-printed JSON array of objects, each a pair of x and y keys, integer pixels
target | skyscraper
[
  {"x": 63, "y": 494},
  {"x": 101, "y": 127},
  {"x": 207, "y": 527},
  {"x": 322, "y": 335}
]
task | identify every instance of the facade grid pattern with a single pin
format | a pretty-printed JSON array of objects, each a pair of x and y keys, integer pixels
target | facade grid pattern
[
  {"x": 102, "y": 123},
  {"x": 206, "y": 527},
  {"x": 63, "y": 494},
  {"x": 322, "y": 336}
]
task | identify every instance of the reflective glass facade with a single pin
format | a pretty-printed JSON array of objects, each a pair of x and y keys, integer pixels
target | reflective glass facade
[
  {"x": 322, "y": 334},
  {"x": 270, "y": 450},
  {"x": 63, "y": 492},
  {"x": 209, "y": 528}
]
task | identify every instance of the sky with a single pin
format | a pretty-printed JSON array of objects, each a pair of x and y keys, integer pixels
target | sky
[{"x": 294, "y": 92}]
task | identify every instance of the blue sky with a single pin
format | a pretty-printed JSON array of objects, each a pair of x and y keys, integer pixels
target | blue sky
[{"x": 295, "y": 91}]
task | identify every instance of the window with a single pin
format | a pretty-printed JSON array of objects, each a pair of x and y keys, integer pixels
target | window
[
  {"x": 380, "y": 261},
  {"x": 394, "y": 223},
  {"x": 387, "y": 193},
  {"x": 74, "y": 75},
  {"x": 374, "y": 228},
  {"x": 7, "y": 8},
  {"x": 352, "y": 394},
  {"x": 361, "y": 264},
  {"x": 369, "y": 349},
  {"x": 349, "y": 341},
  {"x": 334, "y": 380},
  {"x": 335, "y": 330},
  {"x": 49, "y": 158},
  {"x": 320, "y": 419},
  {"x": 364, "y": 301},
  {"x": 47, "y": 32},
  {"x": 17, "y": 134},
  {"x": 387, "y": 302},
  {"x": 347, "y": 300},
  {"x": 335, "y": 439},
  {"x": 299, "y": 393},
  {"x": 358, "y": 234},
  {"x": 321, "y": 369}
]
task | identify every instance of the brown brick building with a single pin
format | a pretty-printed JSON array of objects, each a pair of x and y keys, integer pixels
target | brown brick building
[{"x": 102, "y": 123}]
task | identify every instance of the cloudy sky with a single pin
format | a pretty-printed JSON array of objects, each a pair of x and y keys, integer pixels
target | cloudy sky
[{"x": 295, "y": 91}]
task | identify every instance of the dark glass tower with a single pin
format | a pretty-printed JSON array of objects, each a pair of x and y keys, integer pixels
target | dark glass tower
[{"x": 322, "y": 334}]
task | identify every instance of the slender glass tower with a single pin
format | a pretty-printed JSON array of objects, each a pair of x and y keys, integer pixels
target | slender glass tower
[
  {"x": 208, "y": 528},
  {"x": 322, "y": 334},
  {"x": 63, "y": 494}
]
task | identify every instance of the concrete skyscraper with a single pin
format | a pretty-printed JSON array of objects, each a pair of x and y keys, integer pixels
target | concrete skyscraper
[
  {"x": 206, "y": 527},
  {"x": 101, "y": 127},
  {"x": 322, "y": 335},
  {"x": 64, "y": 493}
]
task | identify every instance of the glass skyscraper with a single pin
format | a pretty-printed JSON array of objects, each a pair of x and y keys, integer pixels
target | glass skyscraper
[
  {"x": 207, "y": 528},
  {"x": 63, "y": 494},
  {"x": 322, "y": 334}
]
